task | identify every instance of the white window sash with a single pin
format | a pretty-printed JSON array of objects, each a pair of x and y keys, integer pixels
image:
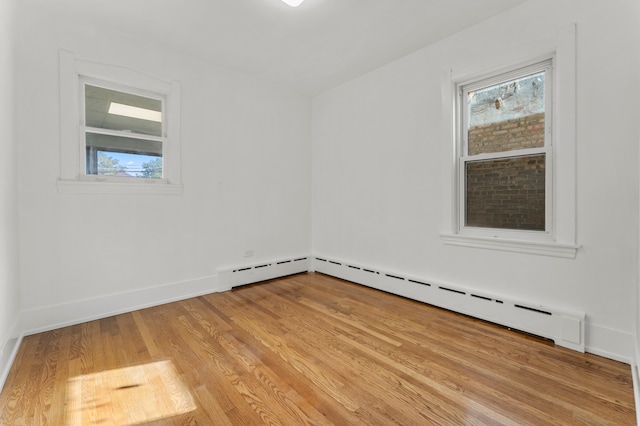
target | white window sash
[
  {"x": 123, "y": 134},
  {"x": 462, "y": 159}
]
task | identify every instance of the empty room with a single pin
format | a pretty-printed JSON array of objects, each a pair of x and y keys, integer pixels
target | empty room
[{"x": 319, "y": 212}]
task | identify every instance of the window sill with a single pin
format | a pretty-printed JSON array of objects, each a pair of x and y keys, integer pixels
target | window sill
[
  {"x": 543, "y": 248},
  {"x": 117, "y": 188}
]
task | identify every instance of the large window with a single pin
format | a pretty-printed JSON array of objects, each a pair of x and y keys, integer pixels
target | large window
[{"x": 505, "y": 162}]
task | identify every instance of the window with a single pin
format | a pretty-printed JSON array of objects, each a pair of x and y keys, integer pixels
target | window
[
  {"x": 128, "y": 140},
  {"x": 505, "y": 152},
  {"x": 124, "y": 132},
  {"x": 511, "y": 188}
]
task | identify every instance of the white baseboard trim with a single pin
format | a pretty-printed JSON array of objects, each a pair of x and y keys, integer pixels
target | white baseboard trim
[
  {"x": 8, "y": 352},
  {"x": 56, "y": 316},
  {"x": 610, "y": 343},
  {"x": 636, "y": 380}
]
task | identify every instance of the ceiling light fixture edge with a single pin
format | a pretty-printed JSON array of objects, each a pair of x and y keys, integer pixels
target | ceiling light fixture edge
[{"x": 293, "y": 3}]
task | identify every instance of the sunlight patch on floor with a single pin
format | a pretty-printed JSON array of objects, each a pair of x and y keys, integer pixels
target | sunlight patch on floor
[{"x": 128, "y": 396}]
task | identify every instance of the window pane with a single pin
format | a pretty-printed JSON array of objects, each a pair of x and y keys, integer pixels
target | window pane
[
  {"x": 119, "y": 156},
  {"x": 506, "y": 193},
  {"x": 507, "y": 116},
  {"x": 115, "y": 110}
]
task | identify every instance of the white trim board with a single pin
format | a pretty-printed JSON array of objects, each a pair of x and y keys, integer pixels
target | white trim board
[
  {"x": 79, "y": 311},
  {"x": 61, "y": 315},
  {"x": 636, "y": 379},
  {"x": 8, "y": 353},
  {"x": 610, "y": 343}
]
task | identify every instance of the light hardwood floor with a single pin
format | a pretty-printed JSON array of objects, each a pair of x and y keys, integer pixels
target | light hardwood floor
[{"x": 307, "y": 349}]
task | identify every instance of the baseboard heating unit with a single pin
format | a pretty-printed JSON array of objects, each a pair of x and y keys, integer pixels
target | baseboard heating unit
[
  {"x": 248, "y": 274},
  {"x": 565, "y": 328}
]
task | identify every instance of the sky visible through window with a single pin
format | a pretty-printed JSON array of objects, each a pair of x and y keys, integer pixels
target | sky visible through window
[{"x": 132, "y": 163}]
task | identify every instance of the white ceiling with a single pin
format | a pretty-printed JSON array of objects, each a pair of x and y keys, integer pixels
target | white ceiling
[{"x": 310, "y": 48}]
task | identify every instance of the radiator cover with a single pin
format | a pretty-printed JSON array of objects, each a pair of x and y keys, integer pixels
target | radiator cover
[
  {"x": 253, "y": 273},
  {"x": 565, "y": 328}
]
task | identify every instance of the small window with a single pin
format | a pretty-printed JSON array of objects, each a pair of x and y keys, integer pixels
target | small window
[
  {"x": 119, "y": 130},
  {"x": 124, "y": 132},
  {"x": 505, "y": 181}
]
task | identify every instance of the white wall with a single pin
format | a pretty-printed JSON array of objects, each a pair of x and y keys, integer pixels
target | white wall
[
  {"x": 9, "y": 289},
  {"x": 377, "y": 154},
  {"x": 376, "y": 170},
  {"x": 245, "y": 170}
]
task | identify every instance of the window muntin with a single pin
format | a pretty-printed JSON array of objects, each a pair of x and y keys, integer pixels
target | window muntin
[
  {"x": 505, "y": 170},
  {"x": 117, "y": 123}
]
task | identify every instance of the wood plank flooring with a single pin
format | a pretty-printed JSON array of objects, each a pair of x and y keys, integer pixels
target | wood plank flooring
[{"x": 307, "y": 349}]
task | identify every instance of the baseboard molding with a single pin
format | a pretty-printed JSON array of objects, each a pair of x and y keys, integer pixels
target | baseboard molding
[
  {"x": 636, "y": 379},
  {"x": 610, "y": 343},
  {"x": 56, "y": 316},
  {"x": 8, "y": 352}
]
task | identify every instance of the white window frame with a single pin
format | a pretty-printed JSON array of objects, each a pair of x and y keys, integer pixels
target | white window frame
[
  {"x": 559, "y": 239},
  {"x": 73, "y": 178},
  {"x": 463, "y": 157}
]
